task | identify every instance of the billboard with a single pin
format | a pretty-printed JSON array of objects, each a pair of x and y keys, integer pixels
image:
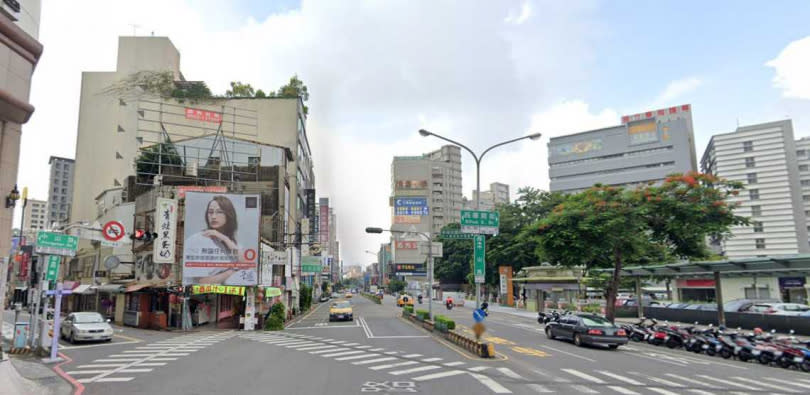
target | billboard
[
  {"x": 643, "y": 132},
  {"x": 410, "y": 269},
  {"x": 166, "y": 227},
  {"x": 221, "y": 239},
  {"x": 407, "y": 219},
  {"x": 410, "y": 206},
  {"x": 323, "y": 225},
  {"x": 411, "y": 184}
]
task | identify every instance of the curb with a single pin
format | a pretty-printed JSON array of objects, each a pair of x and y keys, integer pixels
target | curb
[
  {"x": 477, "y": 348},
  {"x": 20, "y": 351}
]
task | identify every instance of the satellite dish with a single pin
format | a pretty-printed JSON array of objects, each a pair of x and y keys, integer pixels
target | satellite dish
[{"x": 111, "y": 262}]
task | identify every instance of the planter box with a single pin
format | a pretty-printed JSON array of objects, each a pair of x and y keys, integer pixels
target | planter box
[{"x": 427, "y": 324}]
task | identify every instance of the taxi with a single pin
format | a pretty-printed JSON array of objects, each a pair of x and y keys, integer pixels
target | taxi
[
  {"x": 341, "y": 310},
  {"x": 405, "y": 300},
  {"x": 348, "y": 295}
]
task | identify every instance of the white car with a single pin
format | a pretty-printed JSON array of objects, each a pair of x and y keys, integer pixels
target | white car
[
  {"x": 779, "y": 308},
  {"x": 86, "y": 326}
]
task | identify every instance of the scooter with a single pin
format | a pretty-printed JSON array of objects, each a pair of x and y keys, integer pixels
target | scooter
[
  {"x": 419, "y": 299},
  {"x": 449, "y": 305}
]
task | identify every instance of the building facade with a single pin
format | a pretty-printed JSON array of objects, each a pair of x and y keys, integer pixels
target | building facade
[
  {"x": 498, "y": 193},
  {"x": 803, "y": 163},
  {"x": 35, "y": 218},
  {"x": 645, "y": 147},
  {"x": 60, "y": 190},
  {"x": 764, "y": 158},
  {"x": 19, "y": 54}
]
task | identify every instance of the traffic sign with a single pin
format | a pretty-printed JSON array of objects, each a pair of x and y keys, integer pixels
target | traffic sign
[
  {"x": 480, "y": 258},
  {"x": 479, "y": 315},
  {"x": 456, "y": 235},
  {"x": 475, "y": 221},
  {"x": 113, "y": 231},
  {"x": 53, "y": 267},
  {"x": 51, "y": 243}
]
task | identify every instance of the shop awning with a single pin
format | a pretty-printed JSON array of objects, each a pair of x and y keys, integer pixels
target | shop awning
[
  {"x": 82, "y": 289},
  {"x": 137, "y": 287},
  {"x": 112, "y": 288}
]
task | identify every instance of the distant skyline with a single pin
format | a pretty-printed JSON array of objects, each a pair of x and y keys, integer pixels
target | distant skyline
[{"x": 477, "y": 74}]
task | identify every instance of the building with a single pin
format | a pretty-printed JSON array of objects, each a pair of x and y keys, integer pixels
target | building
[
  {"x": 498, "y": 193},
  {"x": 803, "y": 163},
  {"x": 645, "y": 147},
  {"x": 60, "y": 190},
  {"x": 35, "y": 217},
  {"x": 20, "y": 52},
  {"x": 764, "y": 158}
]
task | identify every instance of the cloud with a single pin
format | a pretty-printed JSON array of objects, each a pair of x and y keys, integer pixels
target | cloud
[
  {"x": 791, "y": 66},
  {"x": 525, "y": 13},
  {"x": 677, "y": 90},
  {"x": 375, "y": 77}
]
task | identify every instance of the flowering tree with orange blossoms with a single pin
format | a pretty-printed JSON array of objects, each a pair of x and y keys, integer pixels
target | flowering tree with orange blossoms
[{"x": 609, "y": 227}]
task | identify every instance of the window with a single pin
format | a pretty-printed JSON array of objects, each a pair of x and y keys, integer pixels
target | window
[
  {"x": 805, "y": 183},
  {"x": 748, "y": 146},
  {"x": 253, "y": 161},
  {"x": 64, "y": 183},
  {"x": 758, "y": 227},
  {"x": 801, "y": 152},
  {"x": 57, "y": 165},
  {"x": 55, "y": 189},
  {"x": 806, "y": 198},
  {"x": 804, "y": 167},
  {"x": 749, "y": 162},
  {"x": 753, "y": 194},
  {"x": 64, "y": 190},
  {"x": 760, "y": 244},
  {"x": 752, "y": 178}
]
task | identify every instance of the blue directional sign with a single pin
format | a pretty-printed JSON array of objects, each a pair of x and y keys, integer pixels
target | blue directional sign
[
  {"x": 411, "y": 206},
  {"x": 478, "y": 315}
]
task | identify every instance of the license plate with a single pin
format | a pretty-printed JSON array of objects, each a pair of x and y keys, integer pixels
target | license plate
[
  {"x": 340, "y": 316},
  {"x": 756, "y": 352},
  {"x": 798, "y": 359},
  {"x": 737, "y": 349},
  {"x": 666, "y": 338},
  {"x": 705, "y": 346}
]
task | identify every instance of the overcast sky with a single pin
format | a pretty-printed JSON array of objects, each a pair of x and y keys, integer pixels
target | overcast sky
[{"x": 476, "y": 71}]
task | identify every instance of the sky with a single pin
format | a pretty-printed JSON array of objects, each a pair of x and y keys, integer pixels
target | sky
[{"x": 479, "y": 72}]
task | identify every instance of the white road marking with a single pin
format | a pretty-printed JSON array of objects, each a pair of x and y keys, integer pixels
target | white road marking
[
  {"x": 567, "y": 353},
  {"x": 704, "y": 384},
  {"x": 457, "y": 363},
  {"x": 701, "y": 392},
  {"x": 106, "y": 380},
  {"x": 297, "y": 346},
  {"x": 342, "y": 353},
  {"x": 351, "y": 344},
  {"x": 163, "y": 359},
  {"x": 75, "y": 372},
  {"x": 415, "y": 370},
  {"x": 438, "y": 375},
  {"x": 510, "y": 373},
  {"x": 661, "y": 391},
  {"x": 338, "y": 342},
  {"x": 622, "y": 390},
  {"x": 412, "y": 356},
  {"x": 118, "y": 360},
  {"x": 431, "y": 359},
  {"x": 491, "y": 384},
  {"x": 584, "y": 376},
  {"x": 364, "y": 355},
  {"x": 386, "y": 359},
  {"x": 100, "y": 365},
  {"x": 316, "y": 348},
  {"x": 327, "y": 350},
  {"x": 774, "y": 386},
  {"x": 731, "y": 383},
  {"x": 665, "y": 382},
  {"x": 795, "y": 382},
  {"x": 391, "y": 352},
  {"x": 620, "y": 378},
  {"x": 583, "y": 389},
  {"x": 539, "y": 388},
  {"x": 479, "y": 368},
  {"x": 377, "y": 349},
  {"x": 393, "y": 365},
  {"x": 362, "y": 347},
  {"x": 151, "y": 364}
]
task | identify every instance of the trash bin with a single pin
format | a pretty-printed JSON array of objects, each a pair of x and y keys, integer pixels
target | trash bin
[{"x": 20, "y": 334}]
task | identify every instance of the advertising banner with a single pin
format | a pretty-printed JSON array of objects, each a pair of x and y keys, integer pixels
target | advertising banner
[
  {"x": 203, "y": 115},
  {"x": 217, "y": 289},
  {"x": 323, "y": 226},
  {"x": 410, "y": 269},
  {"x": 183, "y": 189},
  {"x": 407, "y": 219},
  {"x": 221, "y": 239},
  {"x": 407, "y": 245},
  {"x": 166, "y": 228},
  {"x": 411, "y": 184},
  {"x": 410, "y": 206}
]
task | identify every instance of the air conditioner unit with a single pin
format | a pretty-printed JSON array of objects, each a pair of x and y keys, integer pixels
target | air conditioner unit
[{"x": 11, "y": 9}]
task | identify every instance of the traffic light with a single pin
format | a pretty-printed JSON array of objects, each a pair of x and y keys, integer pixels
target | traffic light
[{"x": 143, "y": 235}]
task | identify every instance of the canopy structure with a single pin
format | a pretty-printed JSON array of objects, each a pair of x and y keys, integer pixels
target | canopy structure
[{"x": 767, "y": 266}]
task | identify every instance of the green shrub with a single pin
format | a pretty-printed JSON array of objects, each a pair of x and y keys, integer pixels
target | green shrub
[
  {"x": 407, "y": 309},
  {"x": 422, "y": 315},
  {"x": 444, "y": 324},
  {"x": 274, "y": 323},
  {"x": 594, "y": 308},
  {"x": 277, "y": 310}
]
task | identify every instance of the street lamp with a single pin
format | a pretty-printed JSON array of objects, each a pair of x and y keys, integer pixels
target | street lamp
[
  {"x": 429, "y": 238},
  {"x": 478, "y": 158},
  {"x": 11, "y": 199}
]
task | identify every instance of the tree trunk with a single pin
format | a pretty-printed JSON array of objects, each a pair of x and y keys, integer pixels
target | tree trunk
[{"x": 613, "y": 288}]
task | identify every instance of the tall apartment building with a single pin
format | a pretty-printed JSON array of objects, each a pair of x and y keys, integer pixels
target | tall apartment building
[
  {"x": 19, "y": 55},
  {"x": 803, "y": 163},
  {"x": 498, "y": 193},
  {"x": 645, "y": 147},
  {"x": 764, "y": 158},
  {"x": 425, "y": 196},
  {"x": 35, "y": 217},
  {"x": 60, "y": 190}
]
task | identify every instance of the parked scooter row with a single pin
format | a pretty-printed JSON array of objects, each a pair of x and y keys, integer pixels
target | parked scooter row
[
  {"x": 763, "y": 347},
  {"x": 545, "y": 318}
]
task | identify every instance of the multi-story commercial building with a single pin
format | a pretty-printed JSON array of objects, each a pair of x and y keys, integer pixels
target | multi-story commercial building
[
  {"x": 498, "y": 193},
  {"x": 764, "y": 158},
  {"x": 645, "y": 147},
  {"x": 19, "y": 52},
  {"x": 803, "y": 163},
  {"x": 60, "y": 190},
  {"x": 35, "y": 217}
]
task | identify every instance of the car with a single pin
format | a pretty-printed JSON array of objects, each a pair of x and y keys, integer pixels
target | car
[
  {"x": 404, "y": 300},
  {"x": 335, "y": 295},
  {"x": 348, "y": 295},
  {"x": 341, "y": 310},
  {"x": 587, "y": 329},
  {"x": 323, "y": 298},
  {"x": 793, "y": 309},
  {"x": 86, "y": 326},
  {"x": 742, "y": 305},
  {"x": 646, "y": 301},
  {"x": 677, "y": 305}
]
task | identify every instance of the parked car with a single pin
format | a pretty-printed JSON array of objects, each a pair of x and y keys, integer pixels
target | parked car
[
  {"x": 739, "y": 305},
  {"x": 646, "y": 302},
  {"x": 589, "y": 329},
  {"x": 86, "y": 326},
  {"x": 780, "y": 308},
  {"x": 677, "y": 305}
]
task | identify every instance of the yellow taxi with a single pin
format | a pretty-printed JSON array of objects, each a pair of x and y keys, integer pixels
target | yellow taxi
[
  {"x": 341, "y": 310},
  {"x": 348, "y": 295},
  {"x": 404, "y": 300}
]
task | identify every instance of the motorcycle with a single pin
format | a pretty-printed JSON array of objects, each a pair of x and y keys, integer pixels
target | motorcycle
[
  {"x": 449, "y": 305},
  {"x": 419, "y": 299},
  {"x": 639, "y": 331}
]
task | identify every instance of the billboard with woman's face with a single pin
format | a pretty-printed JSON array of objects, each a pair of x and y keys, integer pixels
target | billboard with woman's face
[{"x": 221, "y": 239}]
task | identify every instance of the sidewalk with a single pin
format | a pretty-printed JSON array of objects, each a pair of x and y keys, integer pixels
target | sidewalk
[
  {"x": 30, "y": 376},
  {"x": 470, "y": 304}
]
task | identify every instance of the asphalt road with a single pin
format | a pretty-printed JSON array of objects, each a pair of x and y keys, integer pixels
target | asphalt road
[{"x": 379, "y": 352}]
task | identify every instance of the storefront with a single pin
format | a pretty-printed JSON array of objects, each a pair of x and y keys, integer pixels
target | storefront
[
  {"x": 792, "y": 289},
  {"x": 84, "y": 298},
  {"x": 146, "y": 306},
  {"x": 546, "y": 286},
  {"x": 111, "y": 301},
  {"x": 696, "y": 290}
]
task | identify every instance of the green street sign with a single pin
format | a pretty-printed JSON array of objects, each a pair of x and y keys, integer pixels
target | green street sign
[
  {"x": 456, "y": 235},
  {"x": 311, "y": 264},
  {"x": 51, "y": 243},
  {"x": 480, "y": 218},
  {"x": 53, "y": 267},
  {"x": 479, "y": 258}
]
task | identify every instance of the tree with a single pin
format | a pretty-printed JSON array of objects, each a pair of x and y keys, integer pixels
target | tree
[
  {"x": 396, "y": 286},
  {"x": 238, "y": 89},
  {"x": 609, "y": 227},
  {"x": 295, "y": 88}
]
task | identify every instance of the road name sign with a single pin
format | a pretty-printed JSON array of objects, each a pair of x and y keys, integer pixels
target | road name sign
[
  {"x": 456, "y": 235},
  {"x": 52, "y": 243},
  {"x": 53, "y": 267},
  {"x": 479, "y": 250},
  {"x": 476, "y": 221}
]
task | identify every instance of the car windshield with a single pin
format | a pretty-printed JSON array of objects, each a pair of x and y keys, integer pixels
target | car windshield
[
  {"x": 88, "y": 318},
  {"x": 342, "y": 305},
  {"x": 596, "y": 321}
]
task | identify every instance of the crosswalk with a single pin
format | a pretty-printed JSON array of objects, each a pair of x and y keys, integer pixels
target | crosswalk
[
  {"x": 416, "y": 367},
  {"x": 567, "y": 380},
  {"x": 143, "y": 359}
]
